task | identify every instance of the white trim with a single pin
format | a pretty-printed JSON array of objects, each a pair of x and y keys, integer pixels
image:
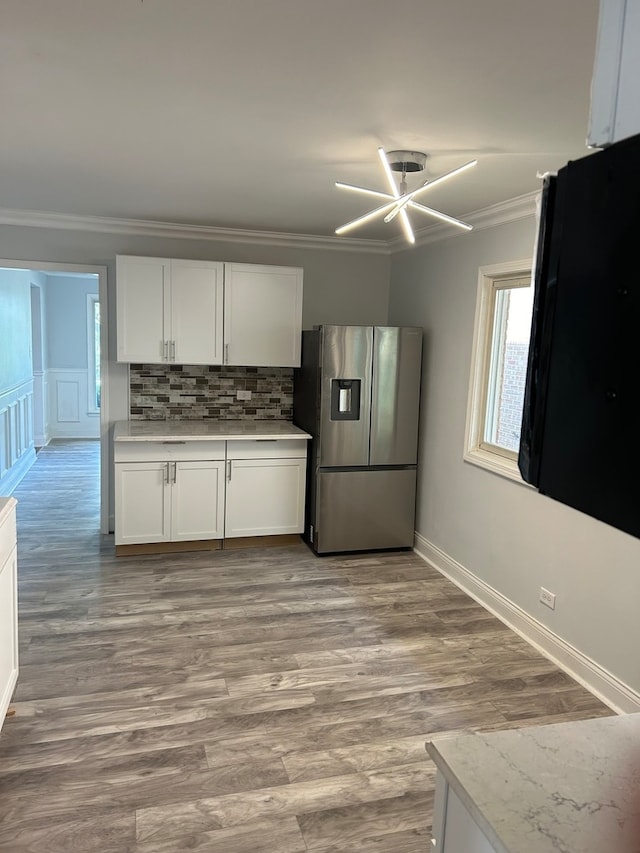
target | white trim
[
  {"x": 92, "y": 391},
  {"x": 599, "y": 681},
  {"x": 168, "y": 230},
  {"x": 511, "y": 210},
  {"x": 475, "y": 449},
  {"x": 496, "y": 214},
  {"x": 101, "y": 272}
]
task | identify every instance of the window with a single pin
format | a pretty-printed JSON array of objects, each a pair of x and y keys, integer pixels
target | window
[
  {"x": 499, "y": 365},
  {"x": 93, "y": 352}
]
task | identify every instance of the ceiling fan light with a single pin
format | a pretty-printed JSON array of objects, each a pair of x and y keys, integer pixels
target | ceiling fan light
[
  {"x": 358, "y": 189},
  {"x": 406, "y": 226},
  {"x": 400, "y": 199},
  {"x": 388, "y": 173},
  {"x": 362, "y": 219},
  {"x": 443, "y": 216}
]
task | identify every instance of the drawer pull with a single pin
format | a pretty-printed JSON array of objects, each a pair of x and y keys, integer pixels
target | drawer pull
[{"x": 174, "y": 442}]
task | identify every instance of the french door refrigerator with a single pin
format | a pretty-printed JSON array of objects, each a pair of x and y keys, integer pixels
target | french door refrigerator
[{"x": 357, "y": 393}]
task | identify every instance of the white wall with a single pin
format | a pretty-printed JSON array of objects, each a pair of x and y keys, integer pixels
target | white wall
[
  {"x": 505, "y": 534},
  {"x": 339, "y": 286}
]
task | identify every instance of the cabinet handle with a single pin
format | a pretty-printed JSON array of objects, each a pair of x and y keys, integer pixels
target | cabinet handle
[
  {"x": 175, "y": 471},
  {"x": 165, "y": 350},
  {"x": 173, "y": 442},
  {"x": 173, "y": 350},
  {"x": 229, "y": 471},
  {"x": 226, "y": 353},
  {"x": 166, "y": 470}
]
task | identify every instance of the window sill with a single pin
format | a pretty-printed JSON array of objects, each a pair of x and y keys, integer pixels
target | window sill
[{"x": 496, "y": 464}]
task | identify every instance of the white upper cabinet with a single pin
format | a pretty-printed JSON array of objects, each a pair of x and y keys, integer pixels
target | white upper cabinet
[
  {"x": 196, "y": 312},
  {"x": 175, "y": 311},
  {"x": 615, "y": 106},
  {"x": 141, "y": 290},
  {"x": 262, "y": 315},
  {"x": 169, "y": 310}
]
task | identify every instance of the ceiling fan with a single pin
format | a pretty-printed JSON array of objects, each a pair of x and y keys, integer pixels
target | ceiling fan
[{"x": 399, "y": 200}]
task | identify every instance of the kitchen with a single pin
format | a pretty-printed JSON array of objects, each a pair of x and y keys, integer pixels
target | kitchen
[{"x": 496, "y": 535}]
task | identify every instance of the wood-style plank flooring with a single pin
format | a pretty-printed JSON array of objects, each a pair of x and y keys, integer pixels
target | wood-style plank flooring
[{"x": 256, "y": 701}]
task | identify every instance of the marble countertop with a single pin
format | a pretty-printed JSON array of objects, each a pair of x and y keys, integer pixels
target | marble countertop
[
  {"x": 569, "y": 787},
  {"x": 6, "y": 505},
  {"x": 226, "y": 430}
]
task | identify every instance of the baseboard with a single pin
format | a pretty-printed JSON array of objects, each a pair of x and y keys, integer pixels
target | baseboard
[
  {"x": 17, "y": 471},
  {"x": 613, "y": 692}
]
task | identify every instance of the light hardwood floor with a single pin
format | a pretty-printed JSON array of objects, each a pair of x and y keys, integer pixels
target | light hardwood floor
[{"x": 241, "y": 701}]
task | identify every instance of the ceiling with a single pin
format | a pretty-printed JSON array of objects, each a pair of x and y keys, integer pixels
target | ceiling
[{"x": 243, "y": 113}]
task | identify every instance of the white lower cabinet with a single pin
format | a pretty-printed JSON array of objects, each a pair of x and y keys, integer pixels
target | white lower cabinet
[
  {"x": 8, "y": 604},
  {"x": 187, "y": 491},
  {"x": 168, "y": 491},
  {"x": 454, "y": 830},
  {"x": 265, "y": 497}
]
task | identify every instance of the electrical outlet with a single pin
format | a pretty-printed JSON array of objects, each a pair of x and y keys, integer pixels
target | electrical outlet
[
  {"x": 548, "y": 598},
  {"x": 243, "y": 395}
]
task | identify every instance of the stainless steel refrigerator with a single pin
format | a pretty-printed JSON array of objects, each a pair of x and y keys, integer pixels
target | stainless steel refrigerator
[{"x": 357, "y": 393}]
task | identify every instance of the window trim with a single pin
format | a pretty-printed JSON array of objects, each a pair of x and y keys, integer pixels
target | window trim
[
  {"x": 92, "y": 390},
  {"x": 477, "y": 451}
]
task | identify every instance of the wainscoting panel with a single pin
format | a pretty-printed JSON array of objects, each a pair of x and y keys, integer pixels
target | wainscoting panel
[
  {"x": 68, "y": 399},
  {"x": 40, "y": 428},
  {"x": 17, "y": 452}
]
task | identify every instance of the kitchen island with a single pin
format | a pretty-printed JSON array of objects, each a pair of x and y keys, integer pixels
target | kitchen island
[
  {"x": 198, "y": 484},
  {"x": 571, "y": 787}
]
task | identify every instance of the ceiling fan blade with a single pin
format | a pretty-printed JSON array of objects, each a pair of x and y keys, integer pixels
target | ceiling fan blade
[
  {"x": 362, "y": 219},
  {"x": 363, "y": 190},
  {"x": 438, "y": 215}
]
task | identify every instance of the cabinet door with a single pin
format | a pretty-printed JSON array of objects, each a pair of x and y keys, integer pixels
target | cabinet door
[
  {"x": 142, "y": 293},
  {"x": 265, "y": 497},
  {"x": 8, "y": 631},
  {"x": 460, "y": 830},
  {"x": 142, "y": 502},
  {"x": 197, "y": 500},
  {"x": 262, "y": 315},
  {"x": 196, "y": 312}
]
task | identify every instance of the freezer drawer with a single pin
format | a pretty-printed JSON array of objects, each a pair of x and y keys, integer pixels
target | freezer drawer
[{"x": 364, "y": 509}]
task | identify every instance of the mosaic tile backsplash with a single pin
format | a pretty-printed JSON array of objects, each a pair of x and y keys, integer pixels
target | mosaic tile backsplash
[{"x": 192, "y": 392}]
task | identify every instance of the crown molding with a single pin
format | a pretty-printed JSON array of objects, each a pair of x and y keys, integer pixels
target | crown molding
[
  {"x": 168, "y": 230},
  {"x": 488, "y": 217},
  {"x": 511, "y": 210}
]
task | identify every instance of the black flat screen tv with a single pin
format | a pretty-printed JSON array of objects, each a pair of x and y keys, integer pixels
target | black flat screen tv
[{"x": 581, "y": 417}]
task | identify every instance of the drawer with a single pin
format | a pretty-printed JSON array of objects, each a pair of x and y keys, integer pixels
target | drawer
[
  {"x": 268, "y": 448},
  {"x": 168, "y": 451},
  {"x": 7, "y": 535}
]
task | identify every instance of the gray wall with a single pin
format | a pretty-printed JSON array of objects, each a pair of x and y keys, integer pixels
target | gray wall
[
  {"x": 66, "y": 320},
  {"x": 503, "y": 532}
]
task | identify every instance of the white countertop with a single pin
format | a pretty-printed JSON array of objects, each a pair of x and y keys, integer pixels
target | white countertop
[
  {"x": 569, "y": 787},
  {"x": 225, "y": 430},
  {"x": 6, "y": 505}
]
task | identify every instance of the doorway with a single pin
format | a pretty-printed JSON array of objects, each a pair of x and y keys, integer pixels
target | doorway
[{"x": 99, "y": 391}]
